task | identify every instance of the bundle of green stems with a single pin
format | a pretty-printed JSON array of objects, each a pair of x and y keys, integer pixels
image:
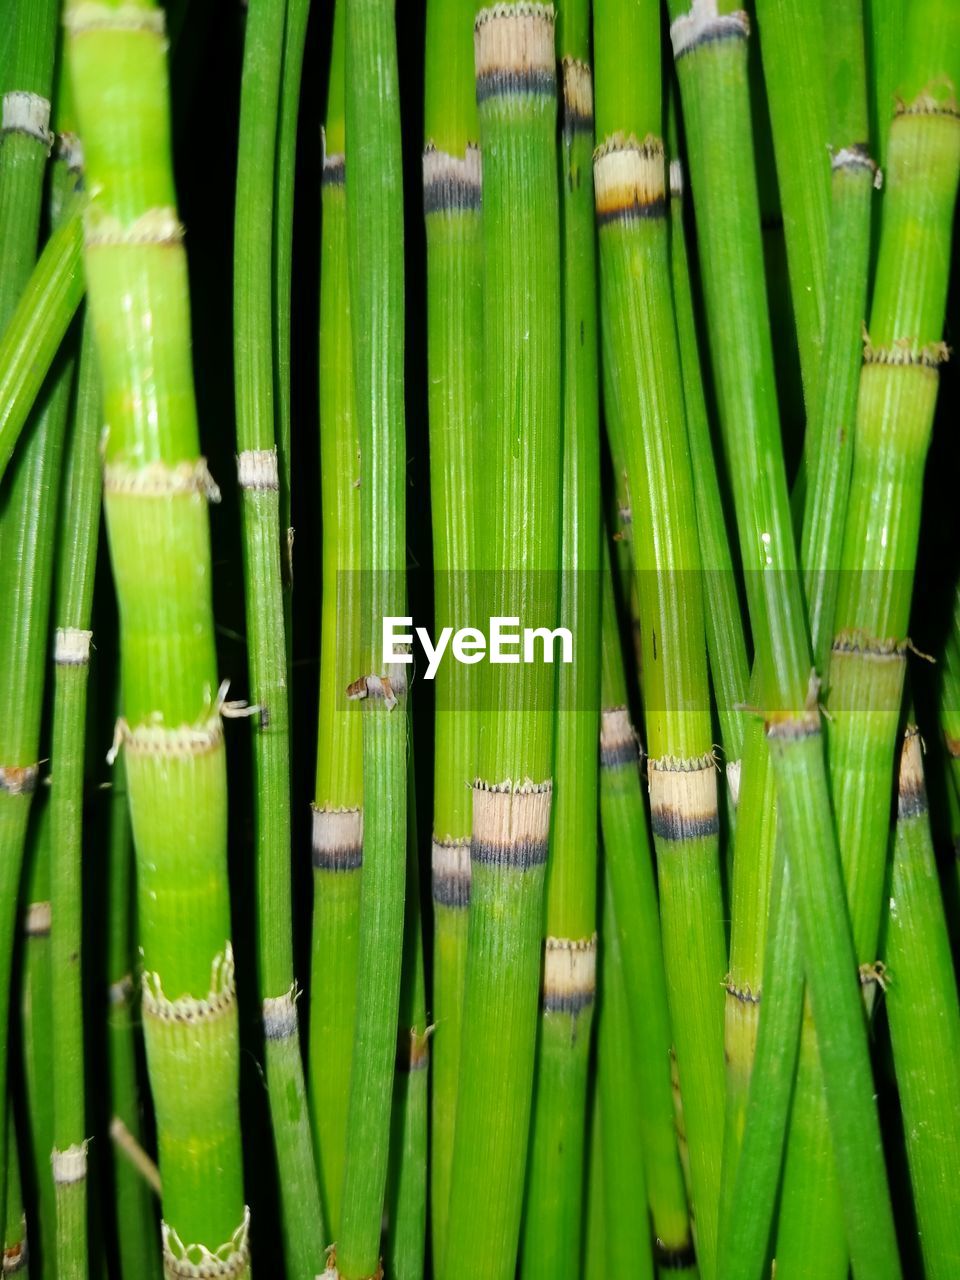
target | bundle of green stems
[{"x": 595, "y": 351}]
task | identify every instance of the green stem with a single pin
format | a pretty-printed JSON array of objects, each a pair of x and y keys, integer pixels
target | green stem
[
  {"x": 451, "y": 196},
  {"x": 551, "y": 1237},
  {"x": 16, "y": 1254},
  {"x": 375, "y": 255},
  {"x": 156, "y": 488},
  {"x": 520, "y": 542},
  {"x": 263, "y": 536}
]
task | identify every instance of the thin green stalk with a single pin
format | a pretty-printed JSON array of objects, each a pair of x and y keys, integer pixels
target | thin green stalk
[
  {"x": 406, "y": 1204},
  {"x": 812, "y": 1230},
  {"x": 794, "y": 44},
  {"x": 950, "y": 692},
  {"x": 726, "y": 642},
  {"x": 16, "y": 1253},
  {"x": 710, "y": 50},
  {"x": 37, "y": 327},
  {"x": 594, "y": 1231},
  {"x": 133, "y": 1205},
  {"x": 78, "y": 535},
  {"x": 553, "y": 1218},
  {"x": 375, "y": 256},
  {"x": 338, "y": 798},
  {"x": 520, "y": 540},
  {"x": 451, "y": 199},
  {"x": 27, "y": 496},
  {"x": 156, "y": 489},
  {"x": 628, "y": 865},
  {"x": 294, "y": 39},
  {"x": 628, "y": 1251},
  {"x": 641, "y": 345},
  {"x": 924, "y": 1016},
  {"x": 885, "y": 21},
  {"x": 259, "y": 478}
]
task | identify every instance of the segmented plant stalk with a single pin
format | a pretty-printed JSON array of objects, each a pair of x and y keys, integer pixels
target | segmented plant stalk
[
  {"x": 258, "y": 474},
  {"x": 156, "y": 489},
  {"x": 628, "y": 866},
  {"x": 133, "y": 1205},
  {"x": 516, "y": 95},
  {"x": 338, "y": 798},
  {"x": 812, "y": 1222},
  {"x": 375, "y": 254},
  {"x": 710, "y": 50},
  {"x": 640, "y": 342},
  {"x": 451, "y": 202},
  {"x": 924, "y": 1016},
  {"x": 618, "y": 1115},
  {"x": 27, "y": 498},
  {"x": 78, "y": 536},
  {"x": 552, "y": 1230},
  {"x": 794, "y": 44},
  {"x": 36, "y": 328}
]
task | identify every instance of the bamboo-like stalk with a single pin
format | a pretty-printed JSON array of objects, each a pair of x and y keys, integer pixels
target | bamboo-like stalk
[
  {"x": 79, "y": 531},
  {"x": 451, "y": 199},
  {"x": 794, "y": 45},
  {"x": 628, "y": 1252},
  {"x": 263, "y": 536},
  {"x": 338, "y": 797},
  {"x": 628, "y": 865},
  {"x": 37, "y": 326},
  {"x": 516, "y": 96},
  {"x": 375, "y": 254},
  {"x": 710, "y": 50},
  {"x": 640, "y": 342},
  {"x": 406, "y": 1203},
  {"x": 553, "y": 1219},
  {"x": 155, "y": 498},
  {"x": 924, "y": 1016},
  {"x": 133, "y": 1205},
  {"x": 26, "y": 499}
]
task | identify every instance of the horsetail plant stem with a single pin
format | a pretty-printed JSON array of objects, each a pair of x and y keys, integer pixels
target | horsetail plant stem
[
  {"x": 551, "y": 1238},
  {"x": 375, "y": 255},
  {"x": 37, "y": 326},
  {"x": 15, "y": 1248},
  {"x": 134, "y": 1212},
  {"x": 950, "y": 692},
  {"x": 28, "y": 499},
  {"x": 710, "y": 52},
  {"x": 924, "y": 1016},
  {"x": 628, "y": 867},
  {"x": 338, "y": 797},
  {"x": 156, "y": 488},
  {"x": 884, "y": 20},
  {"x": 640, "y": 343},
  {"x": 451, "y": 201},
  {"x": 516, "y": 96},
  {"x": 260, "y": 485},
  {"x": 79, "y": 530}
]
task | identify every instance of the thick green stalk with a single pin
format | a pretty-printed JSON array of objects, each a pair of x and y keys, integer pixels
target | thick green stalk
[
  {"x": 451, "y": 200},
  {"x": 726, "y": 642},
  {"x": 79, "y": 531},
  {"x": 629, "y": 869},
  {"x": 263, "y": 535},
  {"x": 27, "y": 496},
  {"x": 553, "y": 1219},
  {"x": 134, "y": 1211},
  {"x": 516, "y": 95},
  {"x": 375, "y": 255},
  {"x": 710, "y": 49},
  {"x": 37, "y": 326},
  {"x": 640, "y": 343},
  {"x": 338, "y": 798},
  {"x": 156, "y": 489},
  {"x": 924, "y": 1016},
  {"x": 294, "y": 39},
  {"x": 795, "y": 47},
  {"x": 618, "y": 1115}
]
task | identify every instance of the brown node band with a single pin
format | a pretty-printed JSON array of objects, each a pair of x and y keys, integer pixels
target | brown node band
[
  {"x": 450, "y": 872},
  {"x": 703, "y": 25},
  {"x": 619, "y": 744},
  {"x": 19, "y": 779},
  {"x": 683, "y": 797},
  {"x": 451, "y": 184},
  {"x": 629, "y": 179},
  {"x": 514, "y": 51},
  {"x": 904, "y": 353},
  {"x": 337, "y": 839},
  {"x": 569, "y": 974},
  {"x": 577, "y": 96},
  {"x": 511, "y": 824},
  {"x": 911, "y": 787}
]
